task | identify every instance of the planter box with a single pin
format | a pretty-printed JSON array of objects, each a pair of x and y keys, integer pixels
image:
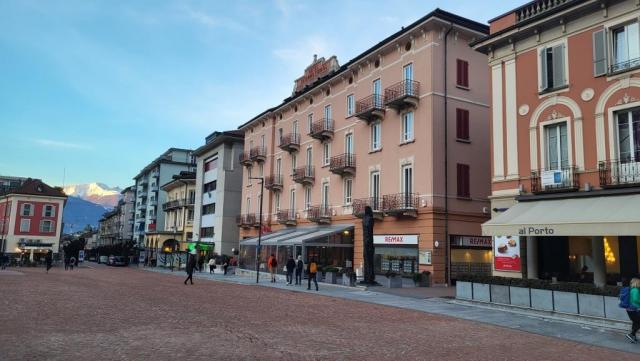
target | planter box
[
  {"x": 345, "y": 280},
  {"x": 542, "y": 299},
  {"x": 481, "y": 292},
  {"x": 566, "y": 302},
  {"x": 591, "y": 305},
  {"x": 393, "y": 282},
  {"x": 612, "y": 311},
  {"x": 330, "y": 277},
  {"x": 520, "y": 296},
  {"x": 500, "y": 294},
  {"x": 464, "y": 290}
]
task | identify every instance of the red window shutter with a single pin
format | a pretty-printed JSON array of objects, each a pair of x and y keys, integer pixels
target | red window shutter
[
  {"x": 465, "y": 71},
  {"x": 460, "y": 181},
  {"x": 465, "y": 124},
  {"x": 463, "y": 180},
  {"x": 459, "y": 72},
  {"x": 458, "y": 124}
]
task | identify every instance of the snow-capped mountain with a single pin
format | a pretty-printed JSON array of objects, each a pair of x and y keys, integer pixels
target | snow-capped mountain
[{"x": 97, "y": 193}]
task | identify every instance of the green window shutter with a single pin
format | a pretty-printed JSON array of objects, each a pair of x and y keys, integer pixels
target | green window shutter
[
  {"x": 559, "y": 73},
  {"x": 599, "y": 53},
  {"x": 543, "y": 69}
]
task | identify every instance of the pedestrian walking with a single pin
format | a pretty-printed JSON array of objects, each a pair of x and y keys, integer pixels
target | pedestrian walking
[
  {"x": 48, "y": 259},
  {"x": 72, "y": 262},
  {"x": 200, "y": 263},
  {"x": 212, "y": 265},
  {"x": 3, "y": 261},
  {"x": 191, "y": 265},
  {"x": 312, "y": 269},
  {"x": 225, "y": 264},
  {"x": 272, "y": 263},
  {"x": 290, "y": 266},
  {"x": 66, "y": 263},
  {"x": 299, "y": 270},
  {"x": 630, "y": 301}
]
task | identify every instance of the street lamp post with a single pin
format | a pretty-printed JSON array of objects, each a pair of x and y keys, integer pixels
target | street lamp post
[{"x": 259, "y": 229}]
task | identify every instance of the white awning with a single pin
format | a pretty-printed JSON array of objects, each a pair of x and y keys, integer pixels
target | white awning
[
  {"x": 298, "y": 235},
  {"x": 589, "y": 216},
  {"x": 318, "y": 233}
]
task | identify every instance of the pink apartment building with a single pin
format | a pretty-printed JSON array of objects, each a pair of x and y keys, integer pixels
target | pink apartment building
[
  {"x": 403, "y": 128},
  {"x": 565, "y": 134}
]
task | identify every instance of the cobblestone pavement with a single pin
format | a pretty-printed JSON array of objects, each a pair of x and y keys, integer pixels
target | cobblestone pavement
[{"x": 106, "y": 313}]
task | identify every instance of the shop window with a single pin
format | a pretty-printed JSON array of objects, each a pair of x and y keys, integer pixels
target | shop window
[
  {"x": 463, "y": 181},
  {"x": 462, "y": 124},
  {"x": 628, "y": 124},
  {"x": 462, "y": 73}
]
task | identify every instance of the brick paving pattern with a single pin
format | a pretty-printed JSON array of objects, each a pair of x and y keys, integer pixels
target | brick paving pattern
[{"x": 125, "y": 314}]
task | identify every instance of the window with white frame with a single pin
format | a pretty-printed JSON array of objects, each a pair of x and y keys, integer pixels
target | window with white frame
[
  {"x": 325, "y": 194},
  {"x": 309, "y": 122},
  {"x": 294, "y": 127},
  {"x": 407, "y": 178},
  {"x": 557, "y": 151},
  {"x": 376, "y": 136},
  {"x": 327, "y": 112},
  {"x": 280, "y": 135},
  {"x": 552, "y": 67},
  {"x": 407, "y": 127},
  {"x": 294, "y": 162},
  {"x": 374, "y": 190},
  {"x": 307, "y": 198},
  {"x": 348, "y": 184},
  {"x": 625, "y": 48},
  {"x": 27, "y": 209},
  {"x": 49, "y": 211},
  {"x": 25, "y": 225},
  {"x": 261, "y": 170},
  {"x": 628, "y": 125},
  {"x": 279, "y": 166},
  {"x": 350, "y": 105},
  {"x": 309, "y": 156},
  {"x": 292, "y": 201},
  {"x": 277, "y": 202},
  {"x": 46, "y": 226},
  {"x": 249, "y": 175},
  {"x": 248, "y": 210},
  {"x": 326, "y": 153}
]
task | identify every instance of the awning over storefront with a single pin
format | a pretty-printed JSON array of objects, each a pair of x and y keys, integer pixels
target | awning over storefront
[
  {"x": 589, "y": 216},
  {"x": 297, "y": 235},
  {"x": 265, "y": 237}
]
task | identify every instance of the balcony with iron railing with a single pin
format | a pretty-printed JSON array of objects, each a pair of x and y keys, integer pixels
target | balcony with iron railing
[
  {"x": 343, "y": 164},
  {"x": 290, "y": 142},
  {"x": 322, "y": 129},
  {"x": 287, "y": 217},
  {"x": 304, "y": 175},
  {"x": 535, "y": 8},
  {"x": 617, "y": 173},
  {"x": 273, "y": 182},
  {"x": 246, "y": 220},
  {"x": 319, "y": 214},
  {"x": 402, "y": 95},
  {"x": 401, "y": 204},
  {"x": 258, "y": 154},
  {"x": 245, "y": 159},
  {"x": 626, "y": 65},
  {"x": 178, "y": 203},
  {"x": 370, "y": 108},
  {"x": 555, "y": 180},
  {"x": 358, "y": 206}
]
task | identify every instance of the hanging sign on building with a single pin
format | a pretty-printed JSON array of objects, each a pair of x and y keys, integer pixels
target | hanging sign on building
[
  {"x": 506, "y": 252},
  {"x": 551, "y": 177},
  {"x": 318, "y": 69},
  {"x": 471, "y": 241},
  {"x": 398, "y": 239}
]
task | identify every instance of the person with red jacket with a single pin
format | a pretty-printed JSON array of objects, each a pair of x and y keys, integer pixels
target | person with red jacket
[{"x": 272, "y": 263}]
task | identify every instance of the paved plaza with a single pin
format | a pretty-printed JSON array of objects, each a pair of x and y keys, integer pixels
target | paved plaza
[{"x": 103, "y": 313}]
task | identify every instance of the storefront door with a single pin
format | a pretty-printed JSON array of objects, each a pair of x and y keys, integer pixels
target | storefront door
[{"x": 553, "y": 257}]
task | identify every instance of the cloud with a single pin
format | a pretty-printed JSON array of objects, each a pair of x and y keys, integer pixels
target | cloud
[
  {"x": 211, "y": 21},
  {"x": 50, "y": 143},
  {"x": 301, "y": 55}
]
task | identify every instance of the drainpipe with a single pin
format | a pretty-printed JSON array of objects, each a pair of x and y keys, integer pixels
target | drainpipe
[{"x": 447, "y": 264}]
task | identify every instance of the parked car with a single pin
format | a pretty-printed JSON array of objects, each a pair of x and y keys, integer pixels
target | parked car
[{"x": 117, "y": 261}]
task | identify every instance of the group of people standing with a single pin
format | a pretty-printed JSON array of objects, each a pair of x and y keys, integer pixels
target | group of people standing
[{"x": 297, "y": 267}]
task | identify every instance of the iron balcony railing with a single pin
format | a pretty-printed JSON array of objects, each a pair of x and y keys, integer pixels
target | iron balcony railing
[
  {"x": 619, "y": 173},
  {"x": 343, "y": 163},
  {"x": 245, "y": 159},
  {"x": 624, "y": 65},
  {"x": 358, "y": 205},
  {"x": 319, "y": 214},
  {"x": 322, "y": 129},
  {"x": 177, "y": 203},
  {"x": 287, "y": 216},
  {"x": 400, "y": 202},
  {"x": 258, "y": 153},
  {"x": 402, "y": 93},
  {"x": 304, "y": 175},
  {"x": 370, "y": 107},
  {"x": 246, "y": 220},
  {"x": 555, "y": 180},
  {"x": 290, "y": 142},
  {"x": 273, "y": 182}
]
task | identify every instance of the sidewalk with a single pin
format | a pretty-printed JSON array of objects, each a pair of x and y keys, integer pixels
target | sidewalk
[{"x": 517, "y": 320}]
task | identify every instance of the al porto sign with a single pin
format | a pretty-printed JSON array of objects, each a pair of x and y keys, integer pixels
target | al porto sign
[
  {"x": 536, "y": 231},
  {"x": 317, "y": 69}
]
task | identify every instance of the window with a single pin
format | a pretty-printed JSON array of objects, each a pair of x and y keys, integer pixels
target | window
[
  {"x": 309, "y": 156},
  {"x": 327, "y": 112},
  {"x": 25, "y": 225},
  {"x": 277, "y": 202},
  {"x": 629, "y": 135},
  {"x": 190, "y": 215},
  {"x": 552, "y": 67},
  {"x": 463, "y": 181},
  {"x": 462, "y": 124},
  {"x": 376, "y": 142},
  {"x": 626, "y": 47},
  {"x": 307, "y": 198},
  {"x": 209, "y": 209},
  {"x": 350, "y": 105},
  {"x": 294, "y": 162},
  {"x": 211, "y": 164},
  {"x": 557, "y": 154},
  {"x": 462, "y": 73},
  {"x": 49, "y": 211},
  {"x": 325, "y": 194},
  {"x": 377, "y": 87},
  {"x": 279, "y": 135},
  {"x": 192, "y": 196},
  {"x": 248, "y": 209},
  {"x": 210, "y": 187},
  {"x": 407, "y": 71},
  {"x": 292, "y": 200},
  {"x": 348, "y": 143},
  {"x": 407, "y": 179},
  {"x": 326, "y": 153},
  {"x": 374, "y": 190},
  {"x": 294, "y": 128},
  {"x": 27, "y": 209},
  {"x": 261, "y": 170},
  {"x": 206, "y": 232},
  {"x": 249, "y": 176},
  {"x": 262, "y": 141},
  {"x": 309, "y": 122},
  {"x": 348, "y": 184},
  {"x": 279, "y": 166},
  {"x": 407, "y": 127}
]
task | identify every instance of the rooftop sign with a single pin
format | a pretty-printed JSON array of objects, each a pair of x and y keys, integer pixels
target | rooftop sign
[{"x": 317, "y": 69}]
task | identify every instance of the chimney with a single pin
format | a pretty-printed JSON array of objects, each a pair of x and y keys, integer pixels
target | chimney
[{"x": 315, "y": 57}]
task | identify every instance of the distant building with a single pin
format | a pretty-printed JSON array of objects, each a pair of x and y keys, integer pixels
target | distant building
[
  {"x": 30, "y": 218},
  {"x": 148, "y": 195},
  {"x": 218, "y": 192},
  {"x": 108, "y": 229},
  {"x": 126, "y": 212}
]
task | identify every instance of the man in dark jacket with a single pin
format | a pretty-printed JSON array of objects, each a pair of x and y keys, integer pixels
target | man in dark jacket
[
  {"x": 48, "y": 259},
  {"x": 291, "y": 266},
  {"x": 191, "y": 265},
  {"x": 299, "y": 270}
]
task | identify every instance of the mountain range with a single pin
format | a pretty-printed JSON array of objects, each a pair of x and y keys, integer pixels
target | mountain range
[
  {"x": 87, "y": 203},
  {"x": 97, "y": 193}
]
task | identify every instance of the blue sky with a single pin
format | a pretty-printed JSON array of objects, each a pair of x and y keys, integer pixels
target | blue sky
[{"x": 98, "y": 89}]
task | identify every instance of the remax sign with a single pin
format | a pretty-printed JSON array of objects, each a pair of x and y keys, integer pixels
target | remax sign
[{"x": 399, "y": 239}]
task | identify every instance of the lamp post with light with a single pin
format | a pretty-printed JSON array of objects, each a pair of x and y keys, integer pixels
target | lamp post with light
[{"x": 261, "y": 179}]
